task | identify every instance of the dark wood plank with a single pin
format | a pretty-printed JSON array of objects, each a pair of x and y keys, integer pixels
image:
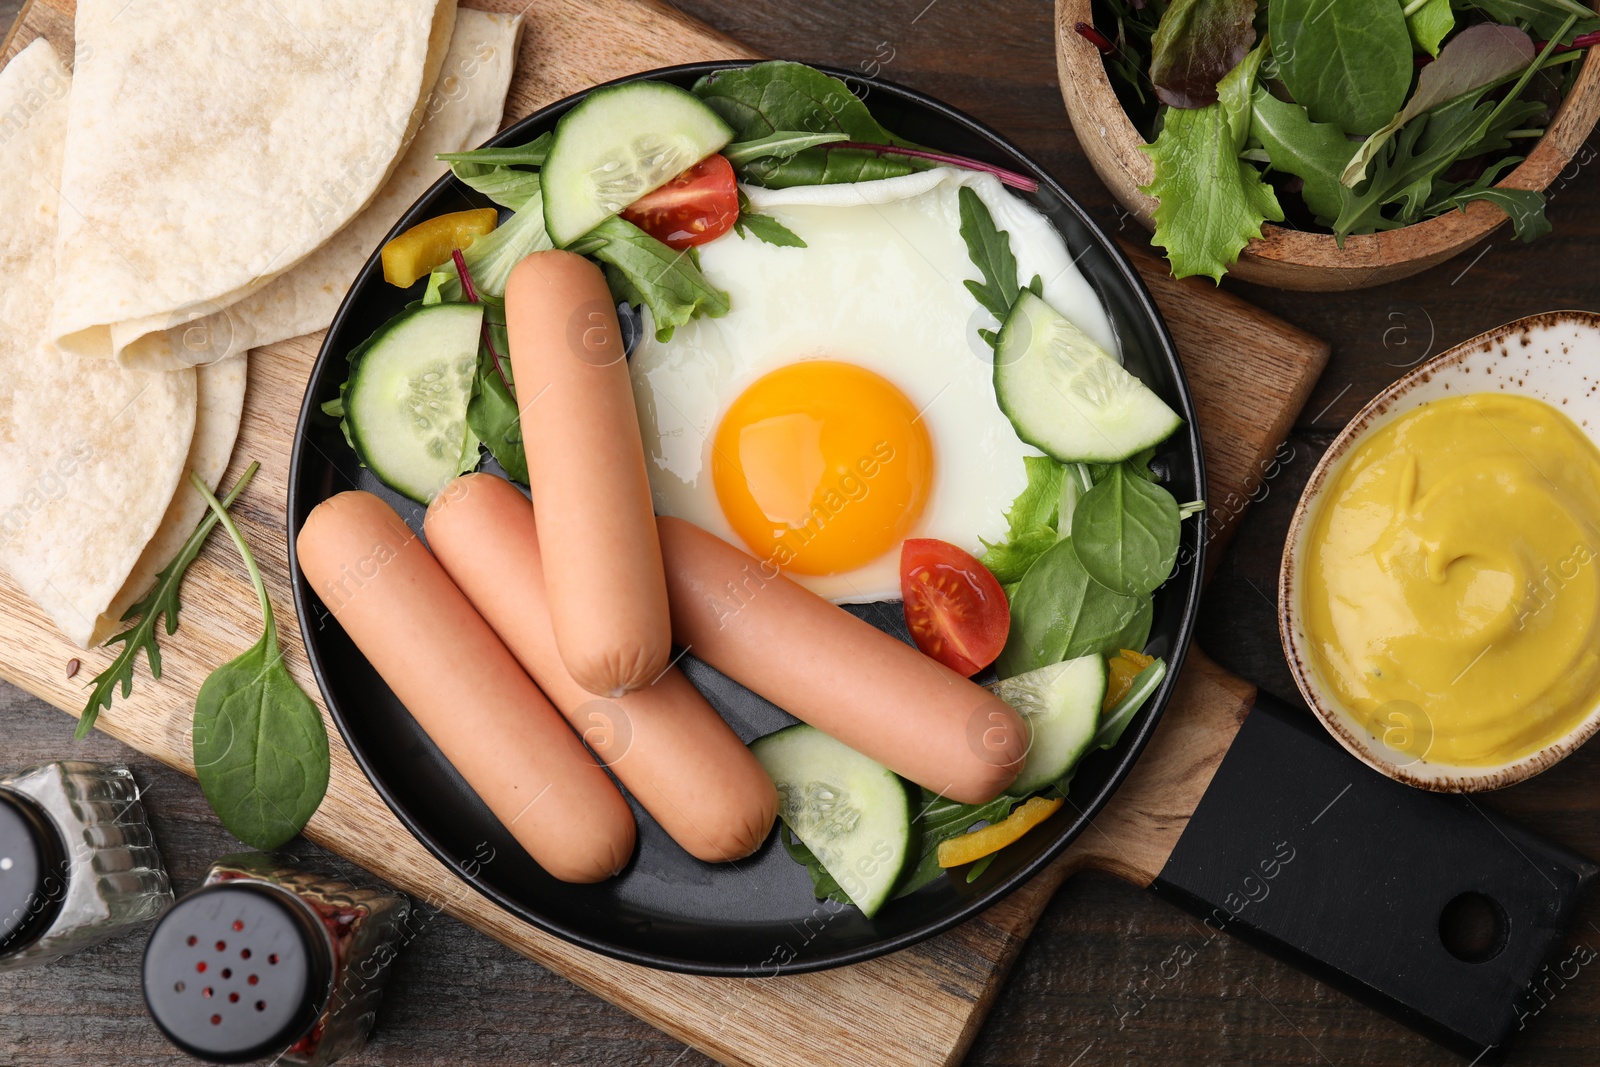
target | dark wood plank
[{"x": 1110, "y": 975}]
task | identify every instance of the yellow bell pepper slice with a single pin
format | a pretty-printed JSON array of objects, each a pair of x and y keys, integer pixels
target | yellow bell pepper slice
[
  {"x": 992, "y": 838},
  {"x": 1124, "y": 669},
  {"x": 426, "y": 245}
]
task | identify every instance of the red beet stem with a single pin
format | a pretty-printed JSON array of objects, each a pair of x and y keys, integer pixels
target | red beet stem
[{"x": 488, "y": 339}]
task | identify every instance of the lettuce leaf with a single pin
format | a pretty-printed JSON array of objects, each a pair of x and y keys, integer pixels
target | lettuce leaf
[
  {"x": 1211, "y": 202},
  {"x": 1031, "y": 523}
]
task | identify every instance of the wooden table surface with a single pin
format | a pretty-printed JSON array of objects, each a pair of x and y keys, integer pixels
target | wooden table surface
[{"x": 1112, "y": 975}]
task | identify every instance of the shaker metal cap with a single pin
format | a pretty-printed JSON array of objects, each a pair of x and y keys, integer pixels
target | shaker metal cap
[
  {"x": 33, "y": 872},
  {"x": 235, "y": 972}
]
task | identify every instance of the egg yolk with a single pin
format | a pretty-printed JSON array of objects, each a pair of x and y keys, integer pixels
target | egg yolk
[{"x": 822, "y": 467}]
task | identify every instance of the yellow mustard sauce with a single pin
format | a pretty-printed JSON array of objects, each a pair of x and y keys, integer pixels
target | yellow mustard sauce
[{"x": 1452, "y": 585}]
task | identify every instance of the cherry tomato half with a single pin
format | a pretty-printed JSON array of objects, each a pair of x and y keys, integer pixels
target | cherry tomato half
[
  {"x": 697, "y": 206},
  {"x": 955, "y": 609}
]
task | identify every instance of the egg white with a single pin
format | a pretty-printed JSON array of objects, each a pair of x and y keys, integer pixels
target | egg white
[{"x": 879, "y": 285}]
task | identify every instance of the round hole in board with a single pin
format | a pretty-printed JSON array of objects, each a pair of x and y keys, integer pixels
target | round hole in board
[
  {"x": 254, "y": 979},
  {"x": 206, "y": 992},
  {"x": 233, "y": 998},
  {"x": 261, "y": 1005},
  {"x": 193, "y": 941},
  {"x": 222, "y": 946},
  {"x": 201, "y": 967},
  {"x": 179, "y": 988},
  {"x": 227, "y": 972},
  {"x": 244, "y": 954},
  {"x": 238, "y": 924},
  {"x": 216, "y": 1020},
  {"x": 273, "y": 959},
  {"x": 1473, "y": 928}
]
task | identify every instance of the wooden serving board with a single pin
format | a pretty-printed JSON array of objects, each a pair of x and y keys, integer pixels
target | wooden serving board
[{"x": 919, "y": 1006}]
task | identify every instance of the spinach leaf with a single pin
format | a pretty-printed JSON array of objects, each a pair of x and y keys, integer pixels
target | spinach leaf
[
  {"x": 532, "y": 154},
  {"x": 764, "y": 227},
  {"x": 1314, "y": 152},
  {"x": 1196, "y": 44},
  {"x": 1058, "y": 612},
  {"x": 1348, "y": 61},
  {"x": 1430, "y": 24},
  {"x": 1126, "y": 533},
  {"x": 260, "y": 747},
  {"x": 1031, "y": 522},
  {"x": 1479, "y": 56},
  {"x": 1546, "y": 19},
  {"x": 1136, "y": 634},
  {"x": 779, "y": 97},
  {"x": 161, "y": 600},
  {"x": 1210, "y": 202},
  {"x": 492, "y": 416},
  {"x": 646, "y": 273}
]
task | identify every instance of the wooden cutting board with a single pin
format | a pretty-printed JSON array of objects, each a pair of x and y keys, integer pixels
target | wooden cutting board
[{"x": 919, "y": 1006}]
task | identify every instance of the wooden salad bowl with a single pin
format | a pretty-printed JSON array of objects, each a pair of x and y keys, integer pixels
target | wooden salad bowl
[{"x": 1286, "y": 258}]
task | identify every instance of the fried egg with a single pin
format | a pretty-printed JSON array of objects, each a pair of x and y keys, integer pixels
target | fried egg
[{"x": 846, "y": 401}]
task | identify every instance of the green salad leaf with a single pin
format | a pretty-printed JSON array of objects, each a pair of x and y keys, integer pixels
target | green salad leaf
[
  {"x": 260, "y": 746},
  {"x": 161, "y": 601},
  {"x": 1126, "y": 531},
  {"x": 492, "y": 414},
  {"x": 778, "y": 146},
  {"x": 990, "y": 249},
  {"x": 1211, "y": 202},
  {"x": 1430, "y": 24},
  {"x": 1031, "y": 523},
  {"x": 764, "y": 227},
  {"x": 1196, "y": 44},
  {"x": 532, "y": 154},
  {"x": 1347, "y": 61},
  {"x": 1545, "y": 19},
  {"x": 1115, "y": 719},
  {"x": 784, "y": 98},
  {"x": 491, "y": 258},
  {"x": 646, "y": 273},
  {"x": 505, "y": 186},
  {"x": 1315, "y": 152},
  {"x": 1059, "y": 612}
]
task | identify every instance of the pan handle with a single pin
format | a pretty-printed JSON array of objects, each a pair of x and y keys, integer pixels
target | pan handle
[{"x": 1310, "y": 855}]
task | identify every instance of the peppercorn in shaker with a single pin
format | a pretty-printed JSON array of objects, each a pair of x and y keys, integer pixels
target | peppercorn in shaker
[
  {"x": 78, "y": 864},
  {"x": 269, "y": 957}
]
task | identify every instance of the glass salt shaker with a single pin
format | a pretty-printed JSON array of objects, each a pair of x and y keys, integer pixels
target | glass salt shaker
[
  {"x": 78, "y": 863},
  {"x": 272, "y": 958}
]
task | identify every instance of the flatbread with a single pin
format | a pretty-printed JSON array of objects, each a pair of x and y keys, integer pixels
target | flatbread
[
  {"x": 219, "y": 408},
  {"x": 90, "y": 452},
  {"x": 210, "y": 147},
  {"x": 464, "y": 111}
]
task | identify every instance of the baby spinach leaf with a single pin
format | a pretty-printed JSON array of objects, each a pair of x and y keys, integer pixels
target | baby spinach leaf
[
  {"x": 1136, "y": 634},
  {"x": 161, "y": 600},
  {"x": 1314, "y": 152},
  {"x": 1196, "y": 44},
  {"x": 492, "y": 416},
  {"x": 1058, "y": 612},
  {"x": 1347, "y": 61},
  {"x": 260, "y": 747},
  {"x": 1126, "y": 533},
  {"x": 1479, "y": 56},
  {"x": 1210, "y": 202},
  {"x": 1430, "y": 24},
  {"x": 782, "y": 97}
]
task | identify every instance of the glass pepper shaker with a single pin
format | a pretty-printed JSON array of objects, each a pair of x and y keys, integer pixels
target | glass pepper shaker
[
  {"x": 78, "y": 863},
  {"x": 271, "y": 958}
]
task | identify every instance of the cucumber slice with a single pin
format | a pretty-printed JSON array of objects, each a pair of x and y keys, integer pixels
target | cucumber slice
[
  {"x": 1061, "y": 705},
  {"x": 853, "y": 814},
  {"x": 406, "y": 401},
  {"x": 619, "y": 144},
  {"x": 1066, "y": 396}
]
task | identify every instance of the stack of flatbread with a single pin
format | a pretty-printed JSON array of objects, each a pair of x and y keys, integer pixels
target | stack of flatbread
[{"x": 209, "y": 179}]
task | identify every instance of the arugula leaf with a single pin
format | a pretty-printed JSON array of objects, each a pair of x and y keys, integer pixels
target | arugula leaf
[
  {"x": 990, "y": 249},
  {"x": 505, "y": 186},
  {"x": 764, "y": 227},
  {"x": 1031, "y": 522},
  {"x": 1545, "y": 19},
  {"x": 940, "y": 819},
  {"x": 1479, "y": 56},
  {"x": 1114, "y": 720},
  {"x": 260, "y": 747},
  {"x": 161, "y": 600},
  {"x": 1059, "y": 612},
  {"x": 1210, "y": 202},
  {"x": 781, "y": 145},
  {"x": 779, "y": 97},
  {"x": 1314, "y": 152},
  {"x": 646, "y": 273},
  {"x": 1196, "y": 44},
  {"x": 1126, "y": 531},
  {"x": 532, "y": 154},
  {"x": 1430, "y": 24},
  {"x": 1347, "y": 61},
  {"x": 824, "y": 886},
  {"x": 1525, "y": 207}
]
